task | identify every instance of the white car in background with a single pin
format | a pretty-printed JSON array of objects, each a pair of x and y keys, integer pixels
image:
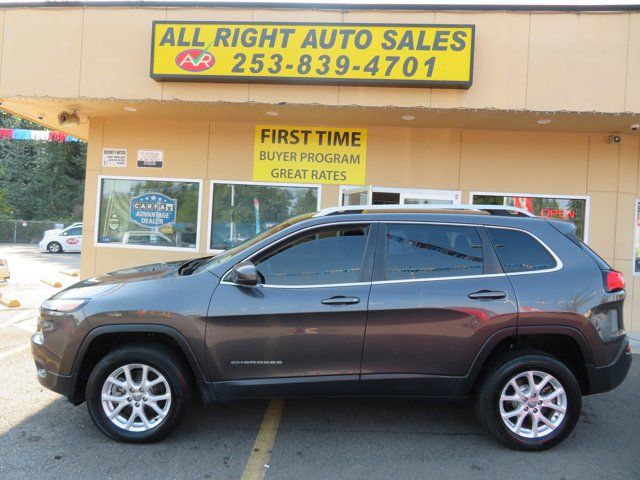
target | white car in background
[
  {"x": 4, "y": 270},
  {"x": 58, "y": 230},
  {"x": 67, "y": 240}
]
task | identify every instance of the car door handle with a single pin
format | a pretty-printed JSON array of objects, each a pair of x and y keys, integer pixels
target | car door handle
[
  {"x": 487, "y": 295},
  {"x": 340, "y": 300}
]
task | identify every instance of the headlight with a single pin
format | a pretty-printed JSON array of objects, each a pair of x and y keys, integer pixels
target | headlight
[{"x": 64, "y": 305}]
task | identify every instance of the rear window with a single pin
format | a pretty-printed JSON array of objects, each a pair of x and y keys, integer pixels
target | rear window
[
  {"x": 415, "y": 251},
  {"x": 520, "y": 252}
]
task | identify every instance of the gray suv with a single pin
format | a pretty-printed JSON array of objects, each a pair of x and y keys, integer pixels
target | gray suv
[{"x": 471, "y": 301}]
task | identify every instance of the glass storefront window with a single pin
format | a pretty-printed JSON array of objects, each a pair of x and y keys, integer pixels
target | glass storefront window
[
  {"x": 636, "y": 244},
  {"x": 148, "y": 212},
  {"x": 572, "y": 209},
  {"x": 241, "y": 211}
]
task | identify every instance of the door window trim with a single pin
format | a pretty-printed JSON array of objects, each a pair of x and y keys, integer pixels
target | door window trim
[
  {"x": 559, "y": 264},
  {"x": 381, "y": 250},
  {"x": 369, "y": 245}
]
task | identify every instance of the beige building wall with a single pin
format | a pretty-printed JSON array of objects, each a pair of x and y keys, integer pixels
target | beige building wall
[
  {"x": 537, "y": 61},
  {"x": 466, "y": 160}
]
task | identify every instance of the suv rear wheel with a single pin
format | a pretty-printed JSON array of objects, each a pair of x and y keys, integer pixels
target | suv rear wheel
[
  {"x": 530, "y": 402},
  {"x": 138, "y": 394}
]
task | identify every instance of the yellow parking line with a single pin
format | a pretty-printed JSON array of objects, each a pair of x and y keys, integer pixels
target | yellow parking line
[{"x": 255, "y": 467}]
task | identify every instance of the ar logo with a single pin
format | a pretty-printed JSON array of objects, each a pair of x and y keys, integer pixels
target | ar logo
[{"x": 195, "y": 60}]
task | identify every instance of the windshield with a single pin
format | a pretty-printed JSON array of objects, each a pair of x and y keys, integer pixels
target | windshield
[{"x": 224, "y": 256}]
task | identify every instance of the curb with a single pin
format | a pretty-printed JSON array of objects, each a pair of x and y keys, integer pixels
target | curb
[
  {"x": 71, "y": 273},
  {"x": 9, "y": 301},
  {"x": 53, "y": 283}
]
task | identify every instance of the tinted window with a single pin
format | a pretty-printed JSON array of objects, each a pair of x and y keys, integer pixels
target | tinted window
[
  {"x": 73, "y": 231},
  {"x": 325, "y": 256},
  {"x": 519, "y": 251},
  {"x": 431, "y": 251}
]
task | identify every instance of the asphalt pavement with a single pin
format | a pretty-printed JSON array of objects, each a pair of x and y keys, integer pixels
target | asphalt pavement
[{"x": 43, "y": 436}]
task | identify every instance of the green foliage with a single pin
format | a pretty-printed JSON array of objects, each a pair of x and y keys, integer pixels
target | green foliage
[{"x": 40, "y": 180}]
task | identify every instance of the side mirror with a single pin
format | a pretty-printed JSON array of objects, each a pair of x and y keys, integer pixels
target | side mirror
[{"x": 245, "y": 273}]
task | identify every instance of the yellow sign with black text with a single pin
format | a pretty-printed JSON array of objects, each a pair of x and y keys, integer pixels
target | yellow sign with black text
[
  {"x": 338, "y": 54},
  {"x": 310, "y": 154}
]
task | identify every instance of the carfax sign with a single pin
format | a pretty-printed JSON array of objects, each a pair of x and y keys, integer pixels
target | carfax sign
[
  {"x": 374, "y": 54},
  {"x": 153, "y": 210},
  {"x": 310, "y": 154}
]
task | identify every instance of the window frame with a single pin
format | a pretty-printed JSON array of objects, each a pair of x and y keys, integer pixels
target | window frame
[
  {"x": 367, "y": 267},
  {"x": 212, "y": 184},
  {"x": 559, "y": 264},
  {"x": 399, "y": 190},
  {"x": 586, "y": 198},
  {"x": 491, "y": 262},
  {"x": 381, "y": 253},
  {"x": 96, "y": 243},
  {"x": 636, "y": 237}
]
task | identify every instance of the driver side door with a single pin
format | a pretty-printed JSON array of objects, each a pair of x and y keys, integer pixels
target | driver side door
[{"x": 300, "y": 331}]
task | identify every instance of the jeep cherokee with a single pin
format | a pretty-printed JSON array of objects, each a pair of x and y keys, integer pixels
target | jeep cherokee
[{"x": 488, "y": 302}]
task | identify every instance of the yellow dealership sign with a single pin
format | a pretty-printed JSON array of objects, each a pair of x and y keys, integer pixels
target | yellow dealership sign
[
  {"x": 373, "y": 54},
  {"x": 310, "y": 154}
]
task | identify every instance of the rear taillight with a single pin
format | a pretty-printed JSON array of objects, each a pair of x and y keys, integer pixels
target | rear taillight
[{"x": 613, "y": 281}]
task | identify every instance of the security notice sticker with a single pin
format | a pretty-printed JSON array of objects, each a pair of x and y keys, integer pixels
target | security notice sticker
[
  {"x": 114, "y": 157},
  {"x": 380, "y": 54},
  {"x": 310, "y": 154}
]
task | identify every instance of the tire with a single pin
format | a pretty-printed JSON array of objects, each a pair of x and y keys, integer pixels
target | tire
[
  {"x": 550, "y": 376},
  {"x": 166, "y": 373},
  {"x": 54, "y": 247}
]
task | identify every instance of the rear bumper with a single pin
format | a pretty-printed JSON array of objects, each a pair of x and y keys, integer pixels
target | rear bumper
[{"x": 608, "y": 377}]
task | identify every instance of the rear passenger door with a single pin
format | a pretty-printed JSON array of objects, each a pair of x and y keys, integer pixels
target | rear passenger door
[{"x": 438, "y": 295}]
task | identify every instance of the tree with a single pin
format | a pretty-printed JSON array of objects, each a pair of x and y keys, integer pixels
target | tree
[{"x": 40, "y": 180}]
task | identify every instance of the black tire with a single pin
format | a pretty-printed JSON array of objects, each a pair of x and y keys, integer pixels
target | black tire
[
  {"x": 162, "y": 359},
  {"x": 54, "y": 247},
  {"x": 496, "y": 378}
]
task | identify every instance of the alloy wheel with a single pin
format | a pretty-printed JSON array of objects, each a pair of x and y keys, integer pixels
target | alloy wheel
[
  {"x": 533, "y": 404},
  {"x": 136, "y": 397}
]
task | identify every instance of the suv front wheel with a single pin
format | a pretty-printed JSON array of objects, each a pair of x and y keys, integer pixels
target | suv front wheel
[
  {"x": 138, "y": 394},
  {"x": 530, "y": 402}
]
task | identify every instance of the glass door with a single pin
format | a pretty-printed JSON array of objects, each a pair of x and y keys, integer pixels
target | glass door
[
  {"x": 357, "y": 196},
  {"x": 429, "y": 198}
]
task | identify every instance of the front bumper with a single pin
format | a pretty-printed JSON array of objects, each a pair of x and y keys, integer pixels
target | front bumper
[
  {"x": 608, "y": 377},
  {"x": 62, "y": 384}
]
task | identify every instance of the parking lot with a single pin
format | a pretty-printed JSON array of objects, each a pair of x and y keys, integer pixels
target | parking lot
[{"x": 43, "y": 436}]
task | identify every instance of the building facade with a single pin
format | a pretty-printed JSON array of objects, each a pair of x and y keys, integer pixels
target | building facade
[{"x": 536, "y": 109}]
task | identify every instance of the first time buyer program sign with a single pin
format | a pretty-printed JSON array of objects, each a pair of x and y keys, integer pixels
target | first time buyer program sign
[
  {"x": 293, "y": 154},
  {"x": 323, "y": 53}
]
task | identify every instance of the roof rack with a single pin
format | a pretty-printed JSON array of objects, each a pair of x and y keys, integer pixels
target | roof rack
[{"x": 500, "y": 210}]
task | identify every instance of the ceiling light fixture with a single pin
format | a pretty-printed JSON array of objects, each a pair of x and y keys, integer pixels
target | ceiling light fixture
[
  {"x": 130, "y": 109},
  {"x": 544, "y": 121},
  {"x": 408, "y": 117},
  {"x": 272, "y": 113}
]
